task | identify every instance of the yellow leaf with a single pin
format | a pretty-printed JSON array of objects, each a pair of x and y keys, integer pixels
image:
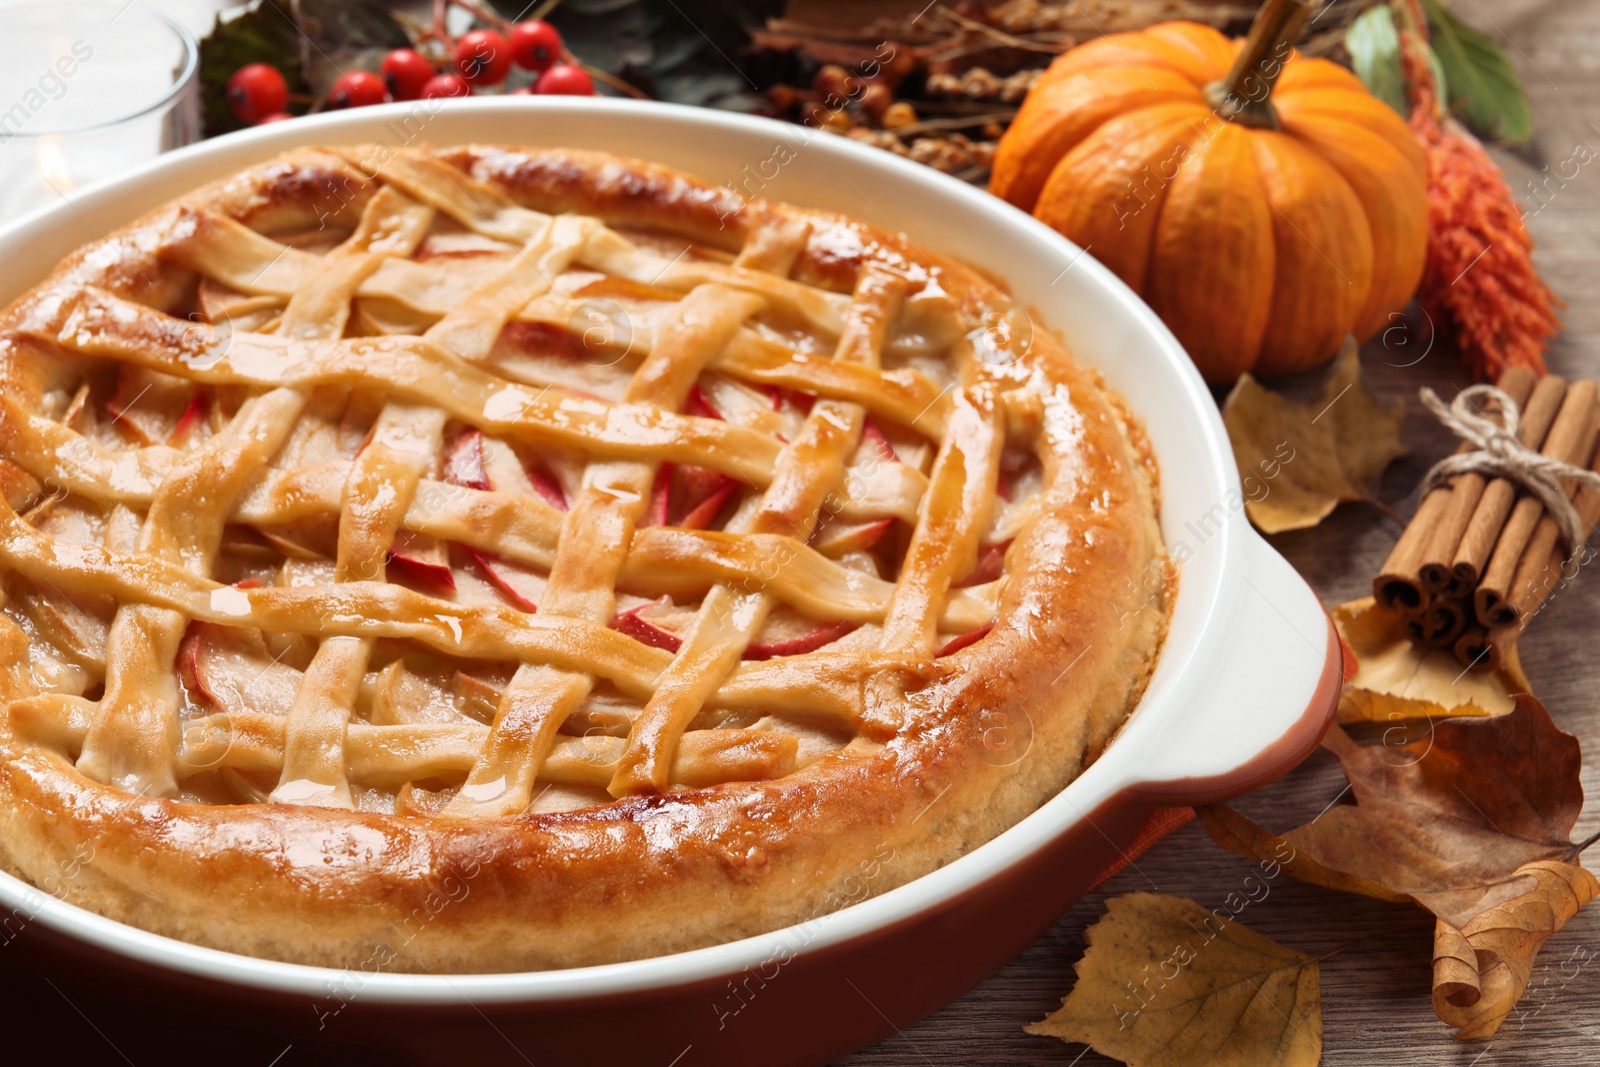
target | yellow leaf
[
  {"x": 1395, "y": 679},
  {"x": 1505, "y": 939},
  {"x": 1297, "y": 462},
  {"x": 1168, "y": 983}
]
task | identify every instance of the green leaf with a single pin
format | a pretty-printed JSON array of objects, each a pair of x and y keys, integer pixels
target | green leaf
[
  {"x": 1438, "y": 72},
  {"x": 1374, "y": 48},
  {"x": 1483, "y": 89},
  {"x": 338, "y": 35},
  {"x": 675, "y": 51}
]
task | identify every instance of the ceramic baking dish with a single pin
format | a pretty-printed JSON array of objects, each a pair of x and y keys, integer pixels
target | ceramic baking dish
[{"x": 1244, "y": 688}]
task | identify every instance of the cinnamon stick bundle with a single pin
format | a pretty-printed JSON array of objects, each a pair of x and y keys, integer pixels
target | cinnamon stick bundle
[
  {"x": 1571, "y": 438},
  {"x": 1545, "y": 566},
  {"x": 1542, "y": 567},
  {"x": 1494, "y": 504},
  {"x": 1445, "y": 571},
  {"x": 1481, "y": 555},
  {"x": 1400, "y": 585}
]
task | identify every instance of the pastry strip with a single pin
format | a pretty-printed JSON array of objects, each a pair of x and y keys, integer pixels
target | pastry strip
[
  {"x": 131, "y": 741},
  {"x": 729, "y": 617},
  {"x": 594, "y": 542}
]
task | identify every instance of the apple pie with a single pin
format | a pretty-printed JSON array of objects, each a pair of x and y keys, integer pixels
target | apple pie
[{"x": 489, "y": 558}]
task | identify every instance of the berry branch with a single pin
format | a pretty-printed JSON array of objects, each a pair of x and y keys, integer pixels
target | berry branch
[{"x": 481, "y": 60}]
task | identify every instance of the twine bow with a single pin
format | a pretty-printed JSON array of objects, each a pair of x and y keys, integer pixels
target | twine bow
[{"x": 1501, "y": 454}]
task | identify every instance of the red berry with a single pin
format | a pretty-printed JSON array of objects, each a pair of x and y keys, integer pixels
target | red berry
[
  {"x": 256, "y": 89},
  {"x": 356, "y": 89},
  {"x": 405, "y": 73},
  {"x": 276, "y": 116},
  {"x": 447, "y": 84},
  {"x": 535, "y": 45},
  {"x": 483, "y": 57},
  {"x": 522, "y": 90},
  {"x": 564, "y": 79}
]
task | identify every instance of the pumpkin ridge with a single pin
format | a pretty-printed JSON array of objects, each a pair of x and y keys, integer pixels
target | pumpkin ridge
[
  {"x": 1337, "y": 105},
  {"x": 1309, "y": 73},
  {"x": 1089, "y": 189},
  {"x": 1324, "y": 255},
  {"x": 1065, "y": 115},
  {"x": 1205, "y": 43},
  {"x": 1113, "y": 51},
  {"x": 1397, "y": 225},
  {"x": 1210, "y": 210}
]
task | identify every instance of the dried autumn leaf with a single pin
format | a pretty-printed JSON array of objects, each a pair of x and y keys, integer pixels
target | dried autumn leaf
[
  {"x": 1335, "y": 446},
  {"x": 1472, "y": 820},
  {"x": 1238, "y": 834},
  {"x": 1486, "y": 970},
  {"x": 1168, "y": 982},
  {"x": 1446, "y": 816},
  {"x": 1395, "y": 679}
]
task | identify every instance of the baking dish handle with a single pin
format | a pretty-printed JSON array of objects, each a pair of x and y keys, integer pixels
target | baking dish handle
[{"x": 1270, "y": 699}]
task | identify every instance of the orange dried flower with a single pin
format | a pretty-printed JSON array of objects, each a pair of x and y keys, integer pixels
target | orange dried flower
[{"x": 1479, "y": 276}]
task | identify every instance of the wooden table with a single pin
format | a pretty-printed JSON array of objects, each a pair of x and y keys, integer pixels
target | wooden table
[{"x": 1376, "y": 994}]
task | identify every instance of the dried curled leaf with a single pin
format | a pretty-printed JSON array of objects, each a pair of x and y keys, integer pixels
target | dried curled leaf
[
  {"x": 1471, "y": 819},
  {"x": 1297, "y": 461},
  {"x": 1395, "y": 679},
  {"x": 1478, "y": 982},
  {"x": 1168, "y": 983}
]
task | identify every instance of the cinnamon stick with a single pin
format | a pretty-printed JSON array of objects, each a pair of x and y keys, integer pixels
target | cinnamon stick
[
  {"x": 1439, "y": 623},
  {"x": 1437, "y": 572},
  {"x": 1569, "y": 439},
  {"x": 1489, "y": 516},
  {"x": 1398, "y": 586},
  {"x": 1543, "y": 565},
  {"x": 1475, "y": 650},
  {"x": 1502, "y": 639}
]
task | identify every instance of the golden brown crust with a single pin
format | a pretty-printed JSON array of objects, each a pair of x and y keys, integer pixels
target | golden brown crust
[{"x": 998, "y": 728}]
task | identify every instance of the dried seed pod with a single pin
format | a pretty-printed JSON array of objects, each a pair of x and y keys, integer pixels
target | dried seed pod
[
  {"x": 817, "y": 115},
  {"x": 1031, "y": 16},
  {"x": 979, "y": 83},
  {"x": 952, "y": 154},
  {"x": 876, "y": 98},
  {"x": 836, "y": 81},
  {"x": 900, "y": 61},
  {"x": 899, "y": 114},
  {"x": 783, "y": 97},
  {"x": 884, "y": 139}
]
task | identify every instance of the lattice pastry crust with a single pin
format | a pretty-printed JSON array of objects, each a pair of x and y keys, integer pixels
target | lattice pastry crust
[{"x": 490, "y": 558}]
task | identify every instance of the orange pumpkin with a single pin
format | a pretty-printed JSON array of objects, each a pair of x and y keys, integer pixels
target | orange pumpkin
[{"x": 1261, "y": 236}]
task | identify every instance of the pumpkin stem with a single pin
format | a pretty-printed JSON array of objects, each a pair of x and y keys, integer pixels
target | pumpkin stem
[{"x": 1245, "y": 95}]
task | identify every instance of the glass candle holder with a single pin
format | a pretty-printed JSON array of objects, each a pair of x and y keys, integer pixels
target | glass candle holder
[{"x": 88, "y": 90}]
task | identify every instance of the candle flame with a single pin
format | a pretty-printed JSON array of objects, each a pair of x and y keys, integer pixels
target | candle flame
[{"x": 53, "y": 164}]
